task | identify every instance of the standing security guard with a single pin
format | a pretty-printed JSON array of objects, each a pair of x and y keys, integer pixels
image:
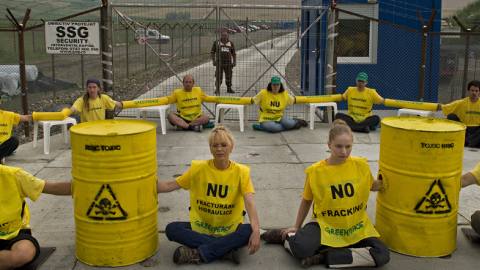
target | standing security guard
[{"x": 225, "y": 53}]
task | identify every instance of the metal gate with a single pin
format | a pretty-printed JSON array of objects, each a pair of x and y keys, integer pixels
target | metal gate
[{"x": 156, "y": 67}]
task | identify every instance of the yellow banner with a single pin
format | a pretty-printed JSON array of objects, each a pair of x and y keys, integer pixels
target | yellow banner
[
  {"x": 229, "y": 100},
  {"x": 145, "y": 102},
  {"x": 59, "y": 116},
  {"x": 319, "y": 99},
  {"x": 416, "y": 105}
]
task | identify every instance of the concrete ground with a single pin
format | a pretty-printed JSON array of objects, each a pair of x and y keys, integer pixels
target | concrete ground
[{"x": 278, "y": 163}]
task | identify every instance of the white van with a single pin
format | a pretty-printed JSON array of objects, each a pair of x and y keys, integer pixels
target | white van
[{"x": 152, "y": 36}]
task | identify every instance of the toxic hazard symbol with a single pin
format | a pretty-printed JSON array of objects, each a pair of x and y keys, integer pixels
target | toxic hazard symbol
[
  {"x": 435, "y": 201},
  {"x": 105, "y": 206}
]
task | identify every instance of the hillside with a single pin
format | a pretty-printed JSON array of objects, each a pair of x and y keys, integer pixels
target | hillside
[{"x": 54, "y": 9}]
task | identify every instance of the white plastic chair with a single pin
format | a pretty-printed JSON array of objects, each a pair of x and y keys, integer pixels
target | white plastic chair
[
  {"x": 416, "y": 112},
  {"x": 46, "y": 131},
  {"x": 162, "y": 109},
  {"x": 242, "y": 113},
  {"x": 315, "y": 105}
]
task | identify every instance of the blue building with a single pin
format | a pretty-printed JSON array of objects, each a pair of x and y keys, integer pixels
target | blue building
[{"x": 391, "y": 56}]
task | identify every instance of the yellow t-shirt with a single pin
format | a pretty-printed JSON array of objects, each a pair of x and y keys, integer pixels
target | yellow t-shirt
[
  {"x": 189, "y": 104},
  {"x": 340, "y": 194},
  {"x": 7, "y": 119},
  {"x": 97, "y": 108},
  {"x": 272, "y": 106},
  {"x": 246, "y": 187},
  {"x": 476, "y": 173},
  {"x": 216, "y": 196},
  {"x": 360, "y": 103},
  {"x": 467, "y": 111},
  {"x": 307, "y": 190},
  {"x": 26, "y": 186}
]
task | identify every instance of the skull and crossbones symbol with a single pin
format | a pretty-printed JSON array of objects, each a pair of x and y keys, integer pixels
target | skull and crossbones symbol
[
  {"x": 435, "y": 201},
  {"x": 105, "y": 206}
]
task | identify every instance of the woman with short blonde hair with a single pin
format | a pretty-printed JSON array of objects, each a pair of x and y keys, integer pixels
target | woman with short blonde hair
[{"x": 219, "y": 191}]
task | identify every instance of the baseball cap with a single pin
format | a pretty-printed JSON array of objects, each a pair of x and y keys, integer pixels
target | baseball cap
[
  {"x": 276, "y": 80},
  {"x": 362, "y": 76}
]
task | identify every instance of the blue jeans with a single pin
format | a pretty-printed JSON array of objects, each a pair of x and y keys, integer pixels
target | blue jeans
[
  {"x": 209, "y": 246},
  {"x": 282, "y": 125}
]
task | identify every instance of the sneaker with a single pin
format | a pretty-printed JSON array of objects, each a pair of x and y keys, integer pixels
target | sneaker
[
  {"x": 312, "y": 260},
  {"x": 229, "y": 90},
  {"x": 232, "y": 256},
  {"x": 273, "y": 236},
  {"x": 302, "y": 122},
  {"x": 198, "y": 128},
  {"x": 297, "y": 126},
  {"x": 177, "y": 128},
  {"x": 186, "y": 255},
  {"x": 366, "y": 129}
]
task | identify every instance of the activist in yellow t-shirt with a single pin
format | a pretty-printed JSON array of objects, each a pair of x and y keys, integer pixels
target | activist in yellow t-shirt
[
  {"x": 20, "y": 185},
  {"x": 468, "y": 112},
  {"x": 340, "y": 194},
  {"x": 272, "y": 102},
  {"x": 97, "y": 108},
  {"x": 15, "y": 186},
  {"x": 360, "y": 103},
  {"x": 271, "y": 105},
  {"x": 189, "y": 104},
  {"x": 476, "y": 173},
  {"x": 339, "y": 187},
  {"x": 216, "y": 196},
  {"x": 220, "y": 190},
  {"x": 7, "y": 120}
]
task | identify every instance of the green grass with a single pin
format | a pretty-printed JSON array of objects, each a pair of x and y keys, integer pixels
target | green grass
[
  {"x": 55, "y": 9},
  {"x": 469, "y": 16}
]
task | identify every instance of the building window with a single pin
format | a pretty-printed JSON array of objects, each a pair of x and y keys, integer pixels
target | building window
[{"x": 358, "y": 37}]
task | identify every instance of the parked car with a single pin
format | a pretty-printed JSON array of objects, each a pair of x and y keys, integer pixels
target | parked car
[
  {"x": 254, "y": 27},
  {"x": 263, "y": 27},
  {"x": 241, "y": 29},
  {"x": 152, "y": 36},
  {"x": 225, "y": 29}
]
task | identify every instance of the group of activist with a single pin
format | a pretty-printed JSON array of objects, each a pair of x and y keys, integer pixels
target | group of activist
[{"x": 216, "y": 229}]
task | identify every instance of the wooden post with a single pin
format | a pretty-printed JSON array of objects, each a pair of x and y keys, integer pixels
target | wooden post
[
  {"x": 106, "y": 37},
  {"x": 126, "y": 36},
  {"x": 298, "y": 31},
  {"x": 22, "y": 66}
]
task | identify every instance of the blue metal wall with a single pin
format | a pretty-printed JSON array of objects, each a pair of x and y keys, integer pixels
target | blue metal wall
[
  {"x": 389, "y": 63},
  {"x": 312, "y": 51}
]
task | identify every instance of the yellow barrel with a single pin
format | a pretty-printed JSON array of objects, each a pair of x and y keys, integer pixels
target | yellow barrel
[
  {"x": 421, "y": 166},
  {"x": 114, "y": 169}
]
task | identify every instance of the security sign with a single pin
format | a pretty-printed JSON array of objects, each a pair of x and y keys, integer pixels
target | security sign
[{"x": 72, "y": 37}]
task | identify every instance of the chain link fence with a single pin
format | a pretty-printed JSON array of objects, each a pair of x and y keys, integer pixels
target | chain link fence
[
  {"x": 268, "y": 43},
  {"x": 53, "y": 81},
  {"x": 261, "y": 36},
  {"x": 392, "y": 56}
]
